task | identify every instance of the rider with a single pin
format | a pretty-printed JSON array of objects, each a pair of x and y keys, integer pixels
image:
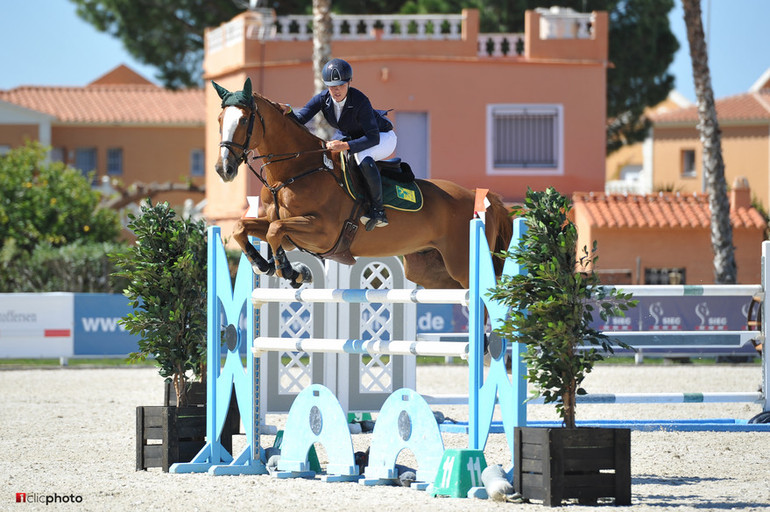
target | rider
[{"x": 361, "y": 130}]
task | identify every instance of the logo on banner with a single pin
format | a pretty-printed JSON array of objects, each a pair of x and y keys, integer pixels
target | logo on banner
[
  {"x": 618, "y": 323},
  {"x": 661, "y": 322},
  {"x": 708, "y": 322}
]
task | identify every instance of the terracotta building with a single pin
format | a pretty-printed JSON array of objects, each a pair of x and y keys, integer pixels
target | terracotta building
[
  {"x": 118, "y": 126},
  {"x": 665, "y": 238},
  {"x": 674, "y": 157},
  {"x": 497, "y": 111}
]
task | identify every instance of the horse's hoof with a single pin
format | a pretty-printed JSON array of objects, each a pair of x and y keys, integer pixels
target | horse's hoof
[
  {"x": 306, "y": 274},
  {"x": 302, "y": 276},
  {"x": 263, "y": 270}
]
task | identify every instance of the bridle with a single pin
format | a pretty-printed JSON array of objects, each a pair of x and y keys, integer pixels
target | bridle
[
  {"x": 244, "y": 148},
  {"x": 273, "y": 157}
]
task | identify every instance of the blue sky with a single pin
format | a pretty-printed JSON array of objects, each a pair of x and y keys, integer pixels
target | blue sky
[{"x": 45, "y": 43}]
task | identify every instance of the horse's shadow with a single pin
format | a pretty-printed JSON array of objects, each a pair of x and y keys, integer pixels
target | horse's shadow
[{"x": 688, "y": 500}]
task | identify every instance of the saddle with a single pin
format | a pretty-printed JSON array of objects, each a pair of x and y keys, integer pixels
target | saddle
[{"x": 399, "y": 190}]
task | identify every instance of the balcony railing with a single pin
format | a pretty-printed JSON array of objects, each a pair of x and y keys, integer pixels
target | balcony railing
[
  {"x": 554, "y": 24},
  {"x": 500, "y": 45},
  {"x": 370, "y": 27}
]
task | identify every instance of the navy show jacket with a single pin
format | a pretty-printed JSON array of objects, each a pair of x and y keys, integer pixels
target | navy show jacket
[{"x": 359, "y": 123}]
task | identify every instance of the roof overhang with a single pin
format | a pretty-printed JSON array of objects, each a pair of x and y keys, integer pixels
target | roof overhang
[{"x": 10, "y": 113}]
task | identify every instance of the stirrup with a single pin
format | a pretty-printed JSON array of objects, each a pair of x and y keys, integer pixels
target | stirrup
[{"x": 375, "y": 218}]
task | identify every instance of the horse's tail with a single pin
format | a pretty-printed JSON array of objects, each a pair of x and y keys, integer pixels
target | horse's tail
[{"x": 499, "y": 229}]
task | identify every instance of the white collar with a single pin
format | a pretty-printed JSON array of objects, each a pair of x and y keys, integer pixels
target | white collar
[{"x": 338, "y": 105}]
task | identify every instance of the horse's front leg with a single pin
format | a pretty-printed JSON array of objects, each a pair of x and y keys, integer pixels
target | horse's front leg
[
  {"x": 258, "y": 228},
  {"x": 297, "y": 274}
]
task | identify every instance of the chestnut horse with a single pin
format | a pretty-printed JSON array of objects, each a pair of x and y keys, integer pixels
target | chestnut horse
[{"x": 306, "y": 206}]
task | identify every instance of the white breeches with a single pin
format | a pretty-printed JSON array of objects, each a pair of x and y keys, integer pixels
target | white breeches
[{"x": 381, "y": 151}]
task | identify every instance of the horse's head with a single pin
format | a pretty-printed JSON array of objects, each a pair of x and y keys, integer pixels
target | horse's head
[{"x": 236, "y": 122}]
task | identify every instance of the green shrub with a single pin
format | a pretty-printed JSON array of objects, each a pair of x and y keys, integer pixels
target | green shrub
[
  {"x": 44, "y": 206},
  {"x": 44, "y": 202},
  {"x": 166, "y": 274},
  {"x": 551, "y": 305},
  {"x": 79, "y": 267}
]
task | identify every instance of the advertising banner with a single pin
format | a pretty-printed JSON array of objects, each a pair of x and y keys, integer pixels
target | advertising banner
[
  {"x": 97, "y": 328},
  {"x": 689, "y": 313},
  {"x": 37, "y": 325}
]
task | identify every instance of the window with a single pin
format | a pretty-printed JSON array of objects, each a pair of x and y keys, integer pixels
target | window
[
  {"x": 688, "y": 163},
  {"x": 115, "y": 161},
  {"x": 196, "y": 162},
  {"x": 524, "y": 139},
  {"x": 665, "y": 276},
  {"x": 85, "y": 160},
  {"x": 4, "y": 149},
  {"x": 631, "y": 172}
]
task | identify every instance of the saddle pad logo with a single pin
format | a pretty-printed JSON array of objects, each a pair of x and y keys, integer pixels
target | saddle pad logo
[{"x": 405, "y": 194}]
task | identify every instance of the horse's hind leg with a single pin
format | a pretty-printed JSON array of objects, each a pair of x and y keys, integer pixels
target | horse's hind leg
[{"x": 254, "y": 227}]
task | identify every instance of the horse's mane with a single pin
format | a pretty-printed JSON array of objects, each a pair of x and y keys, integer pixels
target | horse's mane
[{"x": 293, "y": 119}]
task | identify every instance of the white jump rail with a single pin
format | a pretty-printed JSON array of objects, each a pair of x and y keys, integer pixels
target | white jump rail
[
  {"x": 354, "y": 346},
  {"x": 687, "y": 290},
  {"x": 730, "y": 397},
  {"x": 328, "y": 295}
]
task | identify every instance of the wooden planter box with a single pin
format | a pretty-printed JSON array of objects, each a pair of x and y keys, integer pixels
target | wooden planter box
[
  {"x": 196, "y": 395},
  {"x": 553, "y": 464},
  {"x": 167, "y": 434}
]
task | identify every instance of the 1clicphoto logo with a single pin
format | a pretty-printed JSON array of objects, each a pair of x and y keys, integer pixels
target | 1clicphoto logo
[{"x": 34, "y": 497}]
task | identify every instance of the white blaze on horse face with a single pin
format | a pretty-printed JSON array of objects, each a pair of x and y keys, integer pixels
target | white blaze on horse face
[{"x": 229, "y": 124}]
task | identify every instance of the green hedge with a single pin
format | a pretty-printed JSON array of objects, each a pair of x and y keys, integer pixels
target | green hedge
[{"x": 80, "y": 267}]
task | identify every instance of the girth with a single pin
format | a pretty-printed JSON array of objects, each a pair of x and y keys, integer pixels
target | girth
[{"x": 341, "y": 250}]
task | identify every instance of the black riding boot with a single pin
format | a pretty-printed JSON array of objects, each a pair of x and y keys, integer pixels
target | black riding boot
[{"x": 376, "y": 216}]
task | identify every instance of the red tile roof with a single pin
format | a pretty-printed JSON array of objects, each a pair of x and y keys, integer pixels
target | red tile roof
[
  {"x": 111, "y": 104},
  {"x": 662, "y": 210},
  {"x": 751, "y": 106}
]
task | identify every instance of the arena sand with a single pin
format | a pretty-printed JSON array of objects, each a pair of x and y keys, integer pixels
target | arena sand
[{"x": 71, "y": 432}]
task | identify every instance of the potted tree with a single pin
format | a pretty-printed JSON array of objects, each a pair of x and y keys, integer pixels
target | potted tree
[
  {"x": 551, "y": 309},
  {"x": 166, "y": 274}
]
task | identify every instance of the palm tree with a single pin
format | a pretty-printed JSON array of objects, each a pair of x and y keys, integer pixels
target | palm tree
[
  {"x": 322, "y": 51},
  {"x": 713, "y": 165}
]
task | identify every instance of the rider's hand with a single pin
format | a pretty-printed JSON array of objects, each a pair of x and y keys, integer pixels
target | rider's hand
[
  {"x": 337, "y": 145},
  {"x": 285, "y": 107}
]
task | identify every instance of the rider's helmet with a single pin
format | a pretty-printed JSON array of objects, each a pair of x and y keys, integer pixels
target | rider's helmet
[{"x": 337, "y": 72}]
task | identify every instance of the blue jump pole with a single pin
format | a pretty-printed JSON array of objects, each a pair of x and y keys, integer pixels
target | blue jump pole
[
  {"x": 483, "y": 395},
  {"x": 230, "y": 319}
]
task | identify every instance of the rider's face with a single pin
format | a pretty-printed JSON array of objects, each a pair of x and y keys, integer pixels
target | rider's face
[{"x": 339, "y": 92}]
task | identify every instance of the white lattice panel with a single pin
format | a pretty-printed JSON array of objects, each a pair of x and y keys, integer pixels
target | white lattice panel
[
  {"x": 376, "y": 323},
  {"x": 296, "y": 321}
]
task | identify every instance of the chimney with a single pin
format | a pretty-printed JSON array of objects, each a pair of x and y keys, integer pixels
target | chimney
[{"x": 740, "y": 195}]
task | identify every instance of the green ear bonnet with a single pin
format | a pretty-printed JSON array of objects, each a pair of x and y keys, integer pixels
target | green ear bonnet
[{"x": 242, "y": 98}]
